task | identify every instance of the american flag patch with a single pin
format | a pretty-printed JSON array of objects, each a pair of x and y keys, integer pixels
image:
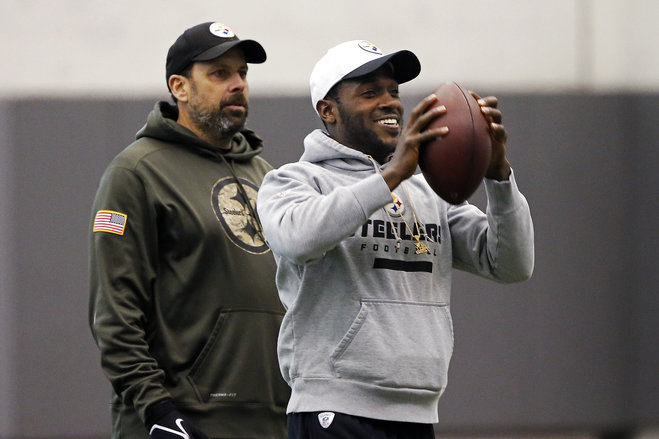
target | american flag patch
[{"x": 110, "y": 221}]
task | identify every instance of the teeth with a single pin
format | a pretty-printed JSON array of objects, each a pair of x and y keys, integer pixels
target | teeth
[{"x": 390, "y": 122}]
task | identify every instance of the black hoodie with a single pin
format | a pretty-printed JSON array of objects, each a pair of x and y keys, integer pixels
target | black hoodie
[{"x": 183, "y": 302}]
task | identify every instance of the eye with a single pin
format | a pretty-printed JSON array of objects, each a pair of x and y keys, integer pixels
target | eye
[
  {"x": 369, "y": 93},
  {"x": 394, "y": 92},
  {"x": 221, "y": 73}
]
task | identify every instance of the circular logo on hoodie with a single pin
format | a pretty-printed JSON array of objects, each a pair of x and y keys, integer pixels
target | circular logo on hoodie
[
  {"x": 396, "y": 207},
  {"x": 370, "y": 47},
  {"x": 231, "y": 201},
  {"x": 220, "y": 30}
]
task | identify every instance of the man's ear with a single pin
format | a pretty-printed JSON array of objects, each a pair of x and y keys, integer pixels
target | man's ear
[
  {"x": 179, "y": 86},
  {"x": 327, "y": 110}
]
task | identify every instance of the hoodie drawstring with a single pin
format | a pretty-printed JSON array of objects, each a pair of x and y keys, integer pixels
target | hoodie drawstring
[{"x": 419, "y": 228}]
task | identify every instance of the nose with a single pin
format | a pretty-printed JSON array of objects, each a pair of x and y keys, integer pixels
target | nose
[
  {"x": 238, "y": 82},
  {"x": 391, "y": 102}
]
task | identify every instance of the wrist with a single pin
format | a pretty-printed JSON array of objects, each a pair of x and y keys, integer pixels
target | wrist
[
  {"x": 392, "y": 177},
  {"x": 157, "y": 411},
  {"x": 501, "y": 172}
]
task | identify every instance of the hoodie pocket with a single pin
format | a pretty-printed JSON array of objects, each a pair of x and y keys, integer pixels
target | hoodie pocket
[
  {"x": 238, "y": 364},
  {"x": 397, "y": 344}
]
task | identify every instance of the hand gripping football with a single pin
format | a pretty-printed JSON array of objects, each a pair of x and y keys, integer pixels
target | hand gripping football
[{"x": 454, "y": 165}]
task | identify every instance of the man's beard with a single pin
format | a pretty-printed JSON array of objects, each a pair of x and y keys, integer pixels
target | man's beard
[
  {"x": 365, "y": 139},
  {"x": 213, "y": 122}
]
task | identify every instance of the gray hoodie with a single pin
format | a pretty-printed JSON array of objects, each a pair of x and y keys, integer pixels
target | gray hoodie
[{"x": 368, "y": 329}]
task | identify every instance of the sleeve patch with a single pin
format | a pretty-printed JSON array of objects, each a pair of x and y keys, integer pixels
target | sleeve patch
[{"x": 110, "y": 221}]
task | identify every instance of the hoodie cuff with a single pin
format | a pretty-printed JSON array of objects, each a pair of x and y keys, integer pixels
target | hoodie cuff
[
  {"x": 503, "y": 197},
  {"x": 372, "y": 193}
]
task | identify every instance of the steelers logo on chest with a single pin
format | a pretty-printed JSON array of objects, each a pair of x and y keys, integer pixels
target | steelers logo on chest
[
  {"x": 396, "y": 208},
  {"x": 232, "y": 209}
]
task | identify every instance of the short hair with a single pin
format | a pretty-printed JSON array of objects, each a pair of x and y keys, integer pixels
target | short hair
[
  {"x": 332, "y": 95},
  {"x": 333, "y": 92}
]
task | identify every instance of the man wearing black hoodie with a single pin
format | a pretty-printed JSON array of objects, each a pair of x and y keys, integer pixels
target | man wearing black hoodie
[{"x": 183, "y": 304}]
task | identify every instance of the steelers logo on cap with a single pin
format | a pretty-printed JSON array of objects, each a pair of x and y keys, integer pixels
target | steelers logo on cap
[
  {"x": 220, "y": 30},
  {"x": 370, "y": 47}
]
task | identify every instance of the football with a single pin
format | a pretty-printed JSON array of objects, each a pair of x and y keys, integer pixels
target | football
[{"x": 454, "y": 165}]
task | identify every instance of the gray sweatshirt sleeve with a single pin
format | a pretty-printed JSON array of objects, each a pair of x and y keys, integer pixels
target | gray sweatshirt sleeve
[
  {"x": 302, "y": 224},
  {"x": 499, "y": 244}
]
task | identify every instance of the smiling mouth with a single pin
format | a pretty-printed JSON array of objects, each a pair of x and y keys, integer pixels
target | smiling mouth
[{"x": 390, "y": 122}]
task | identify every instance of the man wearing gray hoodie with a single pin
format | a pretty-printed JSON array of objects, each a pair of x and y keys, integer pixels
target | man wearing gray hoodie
[{"x": 365, "y": 250}]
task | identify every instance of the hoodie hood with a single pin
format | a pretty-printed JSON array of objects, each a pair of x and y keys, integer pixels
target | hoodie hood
[
  {"x": 161, "y": 124},
  {"x": 320, "y": 147}
]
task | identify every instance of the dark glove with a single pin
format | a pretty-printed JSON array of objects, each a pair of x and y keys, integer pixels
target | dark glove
[{"x": 164, "y": 421}]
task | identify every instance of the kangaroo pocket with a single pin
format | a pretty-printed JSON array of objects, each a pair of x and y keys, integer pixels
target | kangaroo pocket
[
  {"x": 397, "y": 344},
  {"x": 239, "y": 362}
]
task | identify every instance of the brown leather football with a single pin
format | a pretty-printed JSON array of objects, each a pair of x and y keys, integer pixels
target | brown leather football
[{"x": 454, "y": 165}]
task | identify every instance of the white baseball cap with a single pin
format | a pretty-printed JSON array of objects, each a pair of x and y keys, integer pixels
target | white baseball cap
[{"x": 356, "y": 58}]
